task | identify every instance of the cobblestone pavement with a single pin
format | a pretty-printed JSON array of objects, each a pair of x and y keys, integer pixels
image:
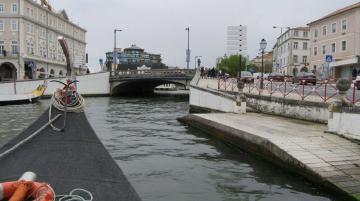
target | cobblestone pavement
[{"x": 333, "y": 158}]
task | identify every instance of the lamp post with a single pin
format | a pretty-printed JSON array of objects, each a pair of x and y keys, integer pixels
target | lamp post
[
  {"x": 281, "y": 28},
  {"x": 188, "y": 48},
  {"x": 197, "y": 59},
  {"x": 263, "y": 44},
  {"x": 115, "y": 52}
]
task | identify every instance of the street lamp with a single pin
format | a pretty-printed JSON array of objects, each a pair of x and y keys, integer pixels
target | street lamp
[
  {"x": 115, "y": 52},
  {"x": 188, "y": 48},
  {"x": 281, "y": 28},
  {"x": 263, "y": 44},
  {"x": 198, "y": 61}
]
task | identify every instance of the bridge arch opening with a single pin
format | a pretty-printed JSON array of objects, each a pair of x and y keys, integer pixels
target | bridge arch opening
[{"x": 141, "y": 87}]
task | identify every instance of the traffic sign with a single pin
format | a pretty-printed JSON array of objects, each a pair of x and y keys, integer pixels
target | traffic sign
[{"x": 329, "y": 58}]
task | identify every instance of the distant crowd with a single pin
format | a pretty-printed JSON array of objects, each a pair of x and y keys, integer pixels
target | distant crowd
[{"x": 210, "y": 73}]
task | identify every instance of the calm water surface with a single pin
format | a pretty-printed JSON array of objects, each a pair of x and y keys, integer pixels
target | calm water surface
[{"x": 168, "y": 161}]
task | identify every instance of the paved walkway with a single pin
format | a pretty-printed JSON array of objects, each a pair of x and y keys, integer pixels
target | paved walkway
[{"x": 334, "y": 159}]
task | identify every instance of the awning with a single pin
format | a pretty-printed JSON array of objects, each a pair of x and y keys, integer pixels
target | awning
[{"x": 345, "y": 62}]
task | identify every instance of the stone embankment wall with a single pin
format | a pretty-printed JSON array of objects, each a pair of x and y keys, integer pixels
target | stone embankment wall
[
  {"x": 345, "y": 122},
  {"x": 208, "y": 100},
  {"x": 304, "y": 110},
  {"x": 96, "y": 84}
]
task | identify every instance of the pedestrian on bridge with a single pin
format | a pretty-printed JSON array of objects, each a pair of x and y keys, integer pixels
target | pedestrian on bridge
[{"x": 202, "y": 72}]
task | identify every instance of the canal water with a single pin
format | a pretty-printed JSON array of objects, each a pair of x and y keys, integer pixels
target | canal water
[{"x": 168, "y": 161}]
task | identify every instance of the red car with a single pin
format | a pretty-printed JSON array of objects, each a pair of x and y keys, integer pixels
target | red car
[
  {"x": 276, "y": 77},
  {"x": 304, "y": 78}
]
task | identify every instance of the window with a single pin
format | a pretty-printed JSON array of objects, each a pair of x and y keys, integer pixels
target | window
[
  {"x": 28, "y": 11},
  {"x": 304, "y": 59},
  {"x": 2, "y": 47},
  {"x": 27, "y": 28},
  {"x": 344, "y": 25},
  {"x": 305, "y": 34},
  {"x": 333, "y": 28},
  {"x": 324, "y": 49},
  {"x": 333, "y": 48},
  {"x": 14, "y": 47},
  {"x": 30, "y": 46},
  {"x": 343, "y": 45},
  {"x": 1, "y": 25},
  {"x": 296, "y": 45},
  {"x": 305, "y": 46},
  {"x": 295, "y": 59},
  {"x": 324, "y": 30},
  {"x": 316, "y": 33},
  {"x": 296, "y": 33},
  {"x": 14, "y": 8},
  {"x": 14, "y": 25},
  {"x": 2, "y": 9}
]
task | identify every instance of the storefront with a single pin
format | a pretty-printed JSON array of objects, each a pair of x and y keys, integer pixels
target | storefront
[{"x": 343, "y": 69}]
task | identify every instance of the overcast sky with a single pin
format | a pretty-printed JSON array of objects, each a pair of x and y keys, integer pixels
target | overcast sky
[{"x": 158, "y": 26}]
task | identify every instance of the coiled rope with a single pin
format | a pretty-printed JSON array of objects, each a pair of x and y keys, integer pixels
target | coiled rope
[
  {"x": 66, "y": 100},
  {"x": 77, "y": 194}
]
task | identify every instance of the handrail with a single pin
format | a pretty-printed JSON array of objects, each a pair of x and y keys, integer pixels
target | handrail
[{"x": 321, "y": 92}]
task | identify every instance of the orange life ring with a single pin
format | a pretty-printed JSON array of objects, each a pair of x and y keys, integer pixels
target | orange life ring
[{"x": 34, "y": 190}]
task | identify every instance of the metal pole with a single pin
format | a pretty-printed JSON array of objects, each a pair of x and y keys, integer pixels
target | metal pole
[
  {"x": 195, "y": 61},
  {"x": 262, "y": 71},
  {"x": 188, "y": 48},
  {"x": 114, "y": 55},
  {"x": 240, "y": 61}
]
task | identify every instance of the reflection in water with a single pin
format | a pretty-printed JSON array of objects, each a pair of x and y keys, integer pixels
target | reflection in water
[{"x": 167, "y": 161}]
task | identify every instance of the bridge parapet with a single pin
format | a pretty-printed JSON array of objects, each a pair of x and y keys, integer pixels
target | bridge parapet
[{"x": 158, "y": 73}]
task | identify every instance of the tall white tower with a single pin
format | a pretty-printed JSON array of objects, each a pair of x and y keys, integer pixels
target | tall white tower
[{"x": 237, "y": 40}]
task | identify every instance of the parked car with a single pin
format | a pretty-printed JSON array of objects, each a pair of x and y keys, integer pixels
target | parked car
[
  {"x": 357, "y": 82},
  {"x": 304, "y": 78},
  {"x": 247, "y": 77},
  {"x": 276, "y": 77}
]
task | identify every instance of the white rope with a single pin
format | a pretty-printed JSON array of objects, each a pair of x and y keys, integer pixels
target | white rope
[
  {"x": 76, "y": 105},
  {"x": 58, "y": 101},
  {"x": 76, "y": 195}
]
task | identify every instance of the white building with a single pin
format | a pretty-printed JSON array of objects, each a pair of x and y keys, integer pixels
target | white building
[
  {"x": 237, "y": 40},
  {"x": 292, "y": 51},
  {"x": 28, "y": 41}
]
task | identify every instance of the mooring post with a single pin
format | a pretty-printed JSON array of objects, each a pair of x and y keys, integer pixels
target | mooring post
[{"x": 240, "y": 97}]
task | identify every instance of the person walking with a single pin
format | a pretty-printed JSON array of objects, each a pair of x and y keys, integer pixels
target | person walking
[{"x": 354, "y": 73}]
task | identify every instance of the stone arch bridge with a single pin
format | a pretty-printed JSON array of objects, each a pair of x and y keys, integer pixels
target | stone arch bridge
[{"x": 139, "y": 82}]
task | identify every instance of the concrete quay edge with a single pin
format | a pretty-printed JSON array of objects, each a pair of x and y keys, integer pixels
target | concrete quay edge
[{"x": 265, "y": 149}]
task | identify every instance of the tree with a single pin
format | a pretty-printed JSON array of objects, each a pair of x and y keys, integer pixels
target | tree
[
  {"x": 231, "y": 64},
  {"x": 252, "y": 68}
]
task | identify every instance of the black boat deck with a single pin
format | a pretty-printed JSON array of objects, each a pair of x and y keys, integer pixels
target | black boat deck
[{"x": 67, "y": 160}]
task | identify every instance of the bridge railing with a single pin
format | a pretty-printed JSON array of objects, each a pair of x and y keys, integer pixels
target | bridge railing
[
  {"x": 154, "y": 73},
  {"x": 321, "y": 92}
]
